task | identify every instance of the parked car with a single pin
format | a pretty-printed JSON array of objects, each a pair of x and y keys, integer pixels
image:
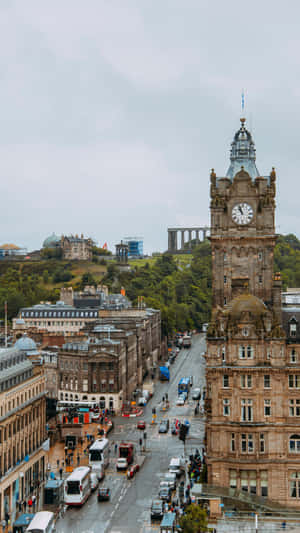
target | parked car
[
  {"x": 122, "y": 463},
  {"x": 165, "y": 494},
  {"x": 180, "y": 400},
  {"x": 103, "y": 494},
  {"x": 176, "y": 466},
  {"x": 163, "y": 426},
  {"x": 94, "y": 481},
  {"x": 141, "y": 424},
  {"x": 157, "y": 509},
  {"x": 196, "y": 394},
  {"x": 171, "y": 480}
]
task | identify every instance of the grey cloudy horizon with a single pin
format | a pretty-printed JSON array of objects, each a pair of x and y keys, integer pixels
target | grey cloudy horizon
[{"x": 113, "y": 113}]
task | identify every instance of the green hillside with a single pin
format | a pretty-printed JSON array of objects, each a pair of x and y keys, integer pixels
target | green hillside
[{"x": 179, "y": 285}]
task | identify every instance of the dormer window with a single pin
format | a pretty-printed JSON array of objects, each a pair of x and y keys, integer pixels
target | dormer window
[{"x": 293, "y": 329}]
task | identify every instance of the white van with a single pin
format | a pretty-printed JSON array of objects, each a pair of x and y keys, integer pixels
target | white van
[
  {"x": 43, "y": 522},
  {"x": 177, "y": 465}
]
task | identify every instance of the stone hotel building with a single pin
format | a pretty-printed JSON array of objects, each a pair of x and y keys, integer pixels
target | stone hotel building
[
  {"x": 22, "y": 429},
  {"x": 253, "y": 341}
]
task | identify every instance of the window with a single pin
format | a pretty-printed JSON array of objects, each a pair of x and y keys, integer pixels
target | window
[
  {"x": 264, "y": 483},
  {"x": 248, "y": 481},
  {"x": 225, "y": 381},
  {"x": 225, "y": 257},
  {"x": 226, "y": 407},
  {"x": 246, "y": 381},
  {"x": 293, "y": 329},
  {"x": 262, "y": 444},
  {"x": 295, "y": 485},
  {"x": 247, "y": 445},
  {"x": 267, "y": 407},
  {"x": 294, "y": 381},
  {"x": 225, "y": 280},
  {"x": 232, "y": 443},
  {"x": 293, "y": 357},
  {"x": 225, "y": 301},
  {"x": 294, "y": 444},
  {"x": 85, "y": 385},
  {"x": 267, "y": 382},
  {"x": 260, "y": 256},
  {"x": 245, "y": 352},
  {"x": 243, "y": 443},
  {"x": 260, "y": 279},
  {"x": 294, "y": 407},
  {"x": 246, "y": 410},
  {"x": 85, "y": 366},
  {"x": 232, "y": 479},
  {"x": 223, "y": 353}
]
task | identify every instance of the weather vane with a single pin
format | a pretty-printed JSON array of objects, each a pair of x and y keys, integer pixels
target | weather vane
[{"x": 243, "y": 101}]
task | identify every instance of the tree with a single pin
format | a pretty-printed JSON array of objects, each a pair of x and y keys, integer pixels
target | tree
[{"x": 194, "y": 520}]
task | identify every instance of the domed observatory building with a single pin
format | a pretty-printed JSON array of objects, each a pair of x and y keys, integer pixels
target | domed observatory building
[{"x": 253, "y": 388}]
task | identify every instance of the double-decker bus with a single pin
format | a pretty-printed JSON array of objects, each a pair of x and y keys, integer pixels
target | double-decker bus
[
  {"x": 78, "y": 486},
  {"x": 99, "y": 455},
  {"x": 183, "y": 385}
]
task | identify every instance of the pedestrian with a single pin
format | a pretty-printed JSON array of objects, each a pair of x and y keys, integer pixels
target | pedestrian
[
  {"x": 78, "y": 460},
  {"x": 60, "y": 473},
  {"x": 30, "y": 504},
  {"x": 3, "y": 524},
  {"x": 33, "y": 502},
  {"x": 57, "y": 463},
  {"x": 116, "y": 448}
]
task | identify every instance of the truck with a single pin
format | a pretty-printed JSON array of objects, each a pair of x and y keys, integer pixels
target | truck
[
  {"x": 126, "y": 451},
  {"x": 164, "y": 373},
  {"x": 187, "y": 341}
]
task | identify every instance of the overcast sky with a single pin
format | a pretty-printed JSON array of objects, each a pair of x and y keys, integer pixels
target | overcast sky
[{"x": 113, "y": 112}]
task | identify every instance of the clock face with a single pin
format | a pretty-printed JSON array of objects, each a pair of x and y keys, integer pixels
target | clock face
[{"x": 242, "y": 213}]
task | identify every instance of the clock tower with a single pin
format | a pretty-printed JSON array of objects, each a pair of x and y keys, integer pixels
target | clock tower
[
  {"x": 242, "y": 226},
  {"x": 252, "y": 373}
]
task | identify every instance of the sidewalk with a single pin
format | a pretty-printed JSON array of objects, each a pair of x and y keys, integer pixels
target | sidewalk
[{"x": 78, "y": 456}]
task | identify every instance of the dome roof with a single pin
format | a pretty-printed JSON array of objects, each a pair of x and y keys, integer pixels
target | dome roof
[
  {"x": 246, "y": 303},
  {"x": 25, "y": 343},
  {"x": 51, "y": 241},
  {"x": 10, "y": 247},
  {"x": 242, "y": 153}
]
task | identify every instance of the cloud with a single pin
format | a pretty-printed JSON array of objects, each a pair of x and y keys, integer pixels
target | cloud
[{"x": 113, "y": 112}]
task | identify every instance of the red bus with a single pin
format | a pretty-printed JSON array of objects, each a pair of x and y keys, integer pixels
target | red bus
[{"x": 126, "y": 450}]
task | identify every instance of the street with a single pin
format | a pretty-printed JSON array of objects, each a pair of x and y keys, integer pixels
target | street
[{"x": 129, "y": 507}]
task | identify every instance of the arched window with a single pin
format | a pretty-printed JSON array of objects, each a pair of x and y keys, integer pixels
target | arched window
[
  {"x": 76, "y": 396},
  {"x": 102, "y": 402},
  {"x": 71, "y": 396},
  {"x": 294, "y": 444},
  {"x": 84, "y": 397},
  {"x": 111, "y": 403}
]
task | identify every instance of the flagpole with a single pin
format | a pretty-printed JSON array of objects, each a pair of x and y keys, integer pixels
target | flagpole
[{"x": 5, "y": 323}]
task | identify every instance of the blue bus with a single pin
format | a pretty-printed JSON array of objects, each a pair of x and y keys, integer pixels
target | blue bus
[{"x": 183, "y": 385}]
